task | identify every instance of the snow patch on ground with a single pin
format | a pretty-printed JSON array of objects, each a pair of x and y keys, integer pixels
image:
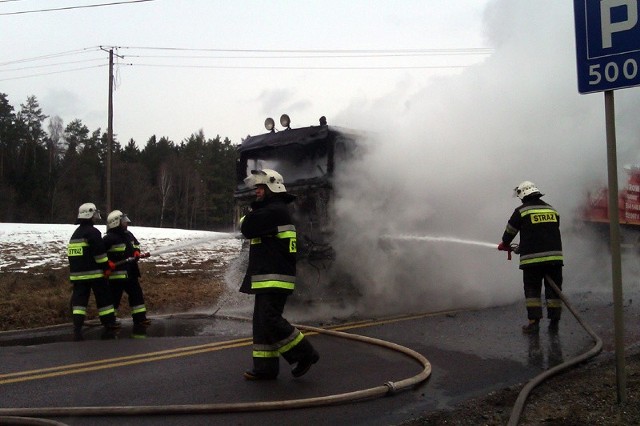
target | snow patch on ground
[{"x": 25, "y": 246}]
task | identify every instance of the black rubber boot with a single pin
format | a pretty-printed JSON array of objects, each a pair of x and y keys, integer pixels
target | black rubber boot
[
  {"x": 141, "y": 319},
  {"x": 254, "y": 375},
  {"x": 263, "y": 369},
  {"x": 532, "y": 327},
  {"x": 305, "y": 364},
  {"x": 78, "y": 322}
]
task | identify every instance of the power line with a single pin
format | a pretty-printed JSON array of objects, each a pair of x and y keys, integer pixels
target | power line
[
  {"x": 73, "y": 7},
  {"x": 449, "y": 51},
  {"x": 310, "y": 56},
  {"x": 253, "y": 54},
  {"x": 276, "y": 54},
  {"x": 52, "y": 65},
  {"x": 51, "y": 55},
  {"x": 52, "y": 72},
  {"x": 284, "y": 67}
]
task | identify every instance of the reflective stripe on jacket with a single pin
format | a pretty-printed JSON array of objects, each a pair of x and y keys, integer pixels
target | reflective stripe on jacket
[
  {"x": 120, "y": 245},
  {"x": 272, "y": 248},
  {"x": 86, "y": 253},
  {"x": 539, "y": 226}
]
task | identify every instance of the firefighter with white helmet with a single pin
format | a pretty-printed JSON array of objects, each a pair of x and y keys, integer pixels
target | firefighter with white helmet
[
  {"x": 124, "y": 250},
  {"x": 540, "y": 252},
  {"x": 89, "y": 266},
  {"x": 525, "y": 188},
  {"x": 272, "y": 179},
  {"x": 271, "y": 277}
]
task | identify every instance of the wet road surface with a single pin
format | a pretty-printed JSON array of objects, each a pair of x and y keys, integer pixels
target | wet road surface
[{"x": 196, "y": 360}]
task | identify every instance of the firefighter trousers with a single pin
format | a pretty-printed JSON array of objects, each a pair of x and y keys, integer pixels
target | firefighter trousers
[
  {"x": 533, "y": 278},
  {"x": 274, "y": 336},
  {"x": 134, "y": 294},
  {"x": 80, "y": 300}
]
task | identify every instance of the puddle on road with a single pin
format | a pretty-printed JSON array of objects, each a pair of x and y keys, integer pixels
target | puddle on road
[{"x": 174, "y": 326}]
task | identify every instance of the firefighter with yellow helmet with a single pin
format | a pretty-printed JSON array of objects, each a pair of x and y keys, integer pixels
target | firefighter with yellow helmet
[
  {"x": 124, "y": 250},
  {"x": 271, "y": 277},
  {"x": 540, "y": 252},
  {"x": 89, "y": 268}
]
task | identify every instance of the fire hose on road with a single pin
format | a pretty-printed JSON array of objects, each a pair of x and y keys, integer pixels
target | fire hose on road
[
  {"x": 516, "y": 411},
  {"x": 8, "y": 415}
]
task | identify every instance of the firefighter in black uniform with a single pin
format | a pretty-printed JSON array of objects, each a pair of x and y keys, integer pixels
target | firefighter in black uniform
[
  {"x": 124, "y": 250},
  {"x": 89, "y": 268},
  {"x": 271, "y": 276},
  {"x": 540, "y": 254}
]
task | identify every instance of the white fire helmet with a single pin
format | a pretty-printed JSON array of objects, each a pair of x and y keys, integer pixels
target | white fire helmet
[
  {"x": 88, "y": 211},
  {"x": 268, "y": 177},
  {"x": 524, "y": 189},
  {"x": 115, "y": 218}
]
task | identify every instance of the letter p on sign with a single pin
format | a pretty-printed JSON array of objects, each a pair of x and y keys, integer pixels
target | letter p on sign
[{"x": 609, "y": 27}]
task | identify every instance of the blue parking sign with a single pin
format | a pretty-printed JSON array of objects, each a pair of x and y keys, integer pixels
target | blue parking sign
[{"x": 607, "y": 44}]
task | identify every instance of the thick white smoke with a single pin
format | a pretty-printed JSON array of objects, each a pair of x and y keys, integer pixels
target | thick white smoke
[{"x": 442, "y": 160}]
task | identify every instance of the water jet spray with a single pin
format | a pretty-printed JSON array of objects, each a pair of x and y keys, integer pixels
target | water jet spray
[{"x": 437, "y": 239}]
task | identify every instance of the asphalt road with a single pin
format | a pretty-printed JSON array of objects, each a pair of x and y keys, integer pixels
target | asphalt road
[{"x": 197, "y": 361}]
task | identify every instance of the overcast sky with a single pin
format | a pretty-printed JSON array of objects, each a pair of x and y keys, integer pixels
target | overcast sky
[{"x": 224, "y": 66}]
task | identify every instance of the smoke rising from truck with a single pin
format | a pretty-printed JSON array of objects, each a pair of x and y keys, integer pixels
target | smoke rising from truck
[{"x": 442, "y": 161}]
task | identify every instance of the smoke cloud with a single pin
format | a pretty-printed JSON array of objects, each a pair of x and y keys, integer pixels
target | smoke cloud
[{"x": 442, "y": 160}]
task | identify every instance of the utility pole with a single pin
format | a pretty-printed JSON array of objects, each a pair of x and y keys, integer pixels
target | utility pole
[{"x": 109, "y": 134}]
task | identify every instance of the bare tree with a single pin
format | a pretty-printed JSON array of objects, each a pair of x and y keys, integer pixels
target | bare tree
[
  {"x": 164, "y": 185},
  {"x": 56, "y": 131}
]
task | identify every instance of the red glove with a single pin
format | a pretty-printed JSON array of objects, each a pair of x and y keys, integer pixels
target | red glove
[
  {"x": 112, "y": 267},
  {"x": 136, "y": 253}
]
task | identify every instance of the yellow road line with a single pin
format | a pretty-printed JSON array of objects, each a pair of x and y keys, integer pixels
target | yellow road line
[
  {"x": 111, "y": 363},
  {"x": 43, "y": 373},
  {"x": 131, "y": 358}
]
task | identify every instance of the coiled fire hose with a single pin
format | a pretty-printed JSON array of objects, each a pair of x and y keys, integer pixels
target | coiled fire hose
[
  {"x": 516, "y": 411},
  {"x": 9, "y": 415}
]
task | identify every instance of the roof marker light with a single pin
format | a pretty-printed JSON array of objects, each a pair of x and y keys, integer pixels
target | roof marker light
[
  {"x": 285, "y": 121},
  {"x": 269, "y": 124}
]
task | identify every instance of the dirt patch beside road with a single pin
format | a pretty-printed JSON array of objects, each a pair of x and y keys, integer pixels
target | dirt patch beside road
[{"x": 41, "y": 296}]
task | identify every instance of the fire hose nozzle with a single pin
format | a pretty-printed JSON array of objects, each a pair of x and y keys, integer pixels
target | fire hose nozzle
[
  {"x": 133, "y": 258},
  {"x": 138, "y": 257},
  {"x": 511, "y": 248}
]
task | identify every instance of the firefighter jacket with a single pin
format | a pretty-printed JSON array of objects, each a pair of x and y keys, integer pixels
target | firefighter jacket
[
  {"x": 87, "y": 256},
  {"x": 272, "y": 246},
  {"x": 120, "y": 245},
  {"x": 539, "y": 227}
]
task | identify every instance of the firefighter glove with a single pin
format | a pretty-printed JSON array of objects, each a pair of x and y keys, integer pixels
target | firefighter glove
[
  {"x": 110, "y": 269},
  {"x": 503, "y": 246}
]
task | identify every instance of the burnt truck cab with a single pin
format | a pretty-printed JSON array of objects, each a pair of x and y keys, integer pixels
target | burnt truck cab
[{"x": 307, "y": 158}]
